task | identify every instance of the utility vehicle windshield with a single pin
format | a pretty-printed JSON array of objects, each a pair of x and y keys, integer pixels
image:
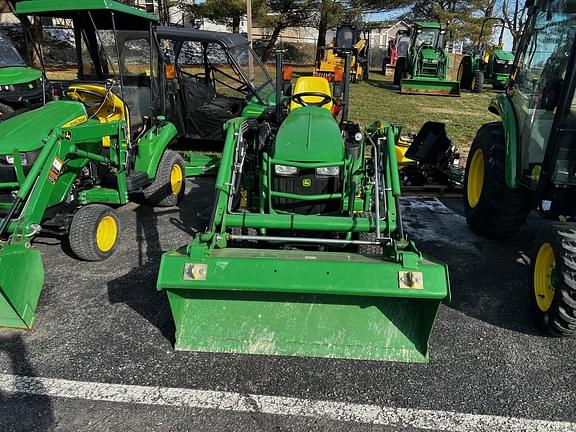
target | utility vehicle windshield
[
  {"x": 253, "y": 70},
  {"x": 8, "y": 55}
]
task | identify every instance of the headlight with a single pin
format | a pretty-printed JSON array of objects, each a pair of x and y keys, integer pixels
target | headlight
[
  {"x": 328, "y": 171},
  {"x": 23, "y": 159},
  {"x": 285, "y": 170},
  {"x": 9, "y": 88},
  {"x": 500, "y": 62}
]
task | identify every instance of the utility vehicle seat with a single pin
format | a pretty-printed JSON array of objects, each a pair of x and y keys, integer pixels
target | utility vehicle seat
[{"x": 312, "y": 85}]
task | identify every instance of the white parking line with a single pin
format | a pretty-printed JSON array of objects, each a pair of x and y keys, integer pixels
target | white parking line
[{"x": 276, "y": 405}]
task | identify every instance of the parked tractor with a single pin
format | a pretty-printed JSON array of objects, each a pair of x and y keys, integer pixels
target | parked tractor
[
  {"x": 486, "y": 64},
  {"x": 331, "y": 60},
  {"x": 305, "y": 253},
  {"x": 20, "y": 86},
  {"x": 424, "y": 70},
  {"x": 527, "y": 160}
]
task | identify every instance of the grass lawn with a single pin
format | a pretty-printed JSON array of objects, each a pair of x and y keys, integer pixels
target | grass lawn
[{"x": 376, "y": 99}]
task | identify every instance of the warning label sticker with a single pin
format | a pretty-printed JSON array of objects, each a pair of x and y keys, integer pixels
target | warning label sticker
[{"x": 55, "y": 170}]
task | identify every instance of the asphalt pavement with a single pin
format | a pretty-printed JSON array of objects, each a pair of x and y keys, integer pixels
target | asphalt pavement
[{"x": 105, "y": 324}]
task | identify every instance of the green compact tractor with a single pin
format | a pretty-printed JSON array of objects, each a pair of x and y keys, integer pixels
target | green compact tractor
[
  {"x": 527, "y": 160},
  {"x": 305, "y": 253},
  {"x": 486, "y": 65},
  {"x": 66, "y": 166},
  {"x": 424, "y": 70},
  {"x": 20, "y": 86}
]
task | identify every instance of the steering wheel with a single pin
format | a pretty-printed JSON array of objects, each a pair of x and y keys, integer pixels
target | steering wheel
[{"x": 298, "y": 98}]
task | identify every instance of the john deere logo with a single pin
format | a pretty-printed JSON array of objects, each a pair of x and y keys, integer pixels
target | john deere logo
[
  {"x": 306, "y": 182},
  {"x": 67, "y": 135}
]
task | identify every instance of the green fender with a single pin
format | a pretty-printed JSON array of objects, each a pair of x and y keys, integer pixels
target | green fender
[
  {"x": 502, "y": 107},
  {"x": 151, "y": 148}
]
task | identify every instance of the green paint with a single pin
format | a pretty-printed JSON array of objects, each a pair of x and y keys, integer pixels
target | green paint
[
  {"x": 19, "y": 290},
  {"x": 55, "y": 7},
  {"x": 18, "y": 75},
  {"x": 152, "y": 146},
  {"x": 502, "y": 106}
]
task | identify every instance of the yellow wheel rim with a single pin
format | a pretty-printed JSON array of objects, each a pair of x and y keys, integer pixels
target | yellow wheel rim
[
  {"x": 106, "y": 233},
  {"x": 473, "y": 83},
  {"x": 543, "y": 282},
  {"x": 460, "y": 72},
  {"x": 475, "y": 179},
  {"x": 176, "y": 179}
]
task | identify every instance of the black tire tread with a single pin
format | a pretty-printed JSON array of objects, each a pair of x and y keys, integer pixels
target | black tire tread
[
  {"x": 5, "y": 109},
  {"x": 478, "y": 81},
  {"x": 159, "y": 193},
  {"x": 82, "y": 232},
  {"x": 560, "y": 319},
  {"x": 501, "y": 210}
]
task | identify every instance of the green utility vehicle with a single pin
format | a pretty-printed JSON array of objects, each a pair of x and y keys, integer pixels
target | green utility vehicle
[
  {"x": 20, "y": 86},
  {"x": 66, "y": 166},
  {"x": 527, "y": 160},
  {"x": 425, "y": 68},
  {"x": 486, "y": 64},
  {"x": 305, "y": 253}
]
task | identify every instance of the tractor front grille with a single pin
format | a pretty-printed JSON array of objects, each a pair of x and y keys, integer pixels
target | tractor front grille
[
  {"x": 502, "y": 68},
  {"x": 306, "y": 182},
  {"x": 7, "y": 172}
]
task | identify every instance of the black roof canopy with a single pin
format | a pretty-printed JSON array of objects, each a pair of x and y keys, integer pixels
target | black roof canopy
[{"x": 227, "y": 40}]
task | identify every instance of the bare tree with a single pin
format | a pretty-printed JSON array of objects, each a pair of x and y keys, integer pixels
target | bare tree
[{"x": 514, "y": 14}]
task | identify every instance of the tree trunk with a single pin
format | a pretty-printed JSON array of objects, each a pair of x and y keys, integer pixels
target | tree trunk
[
  {"x": 271, "y": 43},
  {"x": 322, "y": 29},
  {"x": 236, "y": 24}
]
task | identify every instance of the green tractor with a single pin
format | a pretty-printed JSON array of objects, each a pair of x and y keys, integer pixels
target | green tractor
[
  {"x": 527, "y": 160},
  {"x": 126, "y": 125},
  {"x": 425, "y": 68},
  {"x": 486, "y": 65},
  {"x": 305, "y": 253},
  {"x": 20, "y": 86},
  {"x": 66, "y": 166}
]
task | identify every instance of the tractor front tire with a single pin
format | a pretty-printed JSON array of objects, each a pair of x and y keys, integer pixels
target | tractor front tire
[
  {"x": 553, "y": 280},
  {"x": 94, "y": 232},
  {"x": 5, "y": 109},
  {"x": 478, "y": 82},
  {"x": 169, "y": 186},
  {"x": 465, "y": 73},
  {"x": 399, "y": 70},
  {"x": 492, "y": 208}
]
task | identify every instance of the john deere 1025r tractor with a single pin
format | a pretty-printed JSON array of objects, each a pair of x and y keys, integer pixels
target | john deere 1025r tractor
[
  {"x": 527, "y": 160},
  {"x": 305, "y": 253},
  {"x": 425, "y": 69},
  {"x": 486, "y": 64}
]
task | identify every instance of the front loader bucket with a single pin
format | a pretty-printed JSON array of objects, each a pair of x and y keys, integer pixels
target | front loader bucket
[
  {"x": 333, "y": 305},
  {"x": 21, "y": 281},
  {"x": 430, "y": 86}
]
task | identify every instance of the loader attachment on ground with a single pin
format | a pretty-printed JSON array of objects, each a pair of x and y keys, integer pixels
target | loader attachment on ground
[
  {"x": 21, "y": 281},
  {"x": 430, "y": 86},
  {"x": 330, "y": 304}
]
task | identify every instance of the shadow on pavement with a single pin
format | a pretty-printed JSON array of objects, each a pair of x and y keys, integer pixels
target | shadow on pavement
[
  {"x": 137, "y": 288},
  {"x": 23, "y": 412},
  {"x": 489, "y": 278}
]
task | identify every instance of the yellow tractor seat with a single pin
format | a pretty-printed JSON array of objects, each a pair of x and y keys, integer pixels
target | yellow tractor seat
[
  {"x": 311, "y": 85},
  {"x": 101, "y": 104}
]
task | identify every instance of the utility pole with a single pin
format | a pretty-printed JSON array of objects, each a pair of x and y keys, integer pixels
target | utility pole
[{"x": 249, "y": 29}]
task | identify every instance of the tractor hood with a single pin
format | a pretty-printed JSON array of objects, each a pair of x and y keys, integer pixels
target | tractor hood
[
  {"x": 18, "y": 75},
  {"x": 430, "y": 54},
  {"x": 27, "y": 131},
  {"x": 309, "y": 134},
  {"x": 503, "y": 56}
]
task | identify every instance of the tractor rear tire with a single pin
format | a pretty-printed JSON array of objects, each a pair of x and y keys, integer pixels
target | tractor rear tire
[
  {"x": 399, "y": 70},
  {"x": 553, "y": 280},
  {"x": 492, "y": 208},
  {"x": 5, "y": 109},
  {"x": 478, "y": 82},
  {"x": 465, "y": 73},
  {"x": 169, "y": 186},
  {"x": 94, "y": 232}
]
